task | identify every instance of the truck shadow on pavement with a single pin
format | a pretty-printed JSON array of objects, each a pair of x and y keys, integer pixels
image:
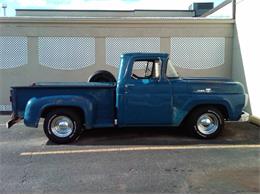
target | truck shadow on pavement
[{"x": 234, "y": 133}]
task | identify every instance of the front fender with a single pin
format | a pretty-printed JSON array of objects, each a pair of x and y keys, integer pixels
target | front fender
[
  {"x": 35, "y": 107},
  {"x": 187, "y": 107}
]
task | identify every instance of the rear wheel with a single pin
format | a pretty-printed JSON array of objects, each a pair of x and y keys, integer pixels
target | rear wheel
[
  {"x": 62, "y": 126},
  {"x": 205, "y": 122}
]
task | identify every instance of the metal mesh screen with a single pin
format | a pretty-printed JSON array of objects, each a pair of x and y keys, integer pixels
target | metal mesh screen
[
  {"x": 140, "y": 65},
  {"x": 13, "y": 52},
  {"x": 5, "y": 107},
  {"x": 66, "y": 53},
  {"x": 116, "y": 46},
  {"x": 198, "y": 53}
]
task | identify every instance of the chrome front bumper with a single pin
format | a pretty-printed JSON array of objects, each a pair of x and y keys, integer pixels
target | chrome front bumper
[{"x": 244, "y": 117}]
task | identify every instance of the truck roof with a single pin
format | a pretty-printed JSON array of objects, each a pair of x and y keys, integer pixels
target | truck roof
[{"x": 145, "y": 54}]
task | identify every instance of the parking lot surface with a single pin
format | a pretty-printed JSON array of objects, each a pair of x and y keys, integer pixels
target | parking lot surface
[{"x": 132, "y": 160}]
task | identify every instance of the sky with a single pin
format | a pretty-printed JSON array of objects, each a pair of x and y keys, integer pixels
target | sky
[{"x": 98, "y": 4}]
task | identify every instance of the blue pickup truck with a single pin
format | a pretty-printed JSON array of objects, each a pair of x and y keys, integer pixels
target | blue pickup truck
[{"x": 147, "y": 92}]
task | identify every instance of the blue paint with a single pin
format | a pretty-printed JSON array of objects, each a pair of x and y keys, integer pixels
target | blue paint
[
  {"x": 133, "y": 102},
  {"x": 32, "y": 101}
]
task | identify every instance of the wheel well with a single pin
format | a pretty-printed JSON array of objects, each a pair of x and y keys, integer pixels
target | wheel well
[
  {"x": 220, "y": 107},
  {"x": 102, "y": 76},
  {"x": 75, "y": 109}
]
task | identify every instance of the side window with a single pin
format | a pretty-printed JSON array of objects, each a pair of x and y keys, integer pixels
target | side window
[{"x": 145, "y": 69}]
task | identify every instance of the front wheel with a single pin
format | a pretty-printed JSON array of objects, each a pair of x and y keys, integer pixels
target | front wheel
[
  {"x": 205, "y": 122},
  {"x": 62, "y": 126}
]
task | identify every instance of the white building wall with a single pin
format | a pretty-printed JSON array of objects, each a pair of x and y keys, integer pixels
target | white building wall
[{"x": 246, "y": 55}]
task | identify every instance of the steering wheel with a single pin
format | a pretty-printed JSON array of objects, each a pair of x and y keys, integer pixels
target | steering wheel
[{"x": 134, "y": 76}]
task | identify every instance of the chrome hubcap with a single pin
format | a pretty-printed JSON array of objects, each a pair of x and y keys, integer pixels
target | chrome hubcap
[
  {"x": 207, "y": 123},
  {"x": 62, "y": 126}
]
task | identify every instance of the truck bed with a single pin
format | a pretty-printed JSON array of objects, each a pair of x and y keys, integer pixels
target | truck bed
[{"x": 102, "y": 93}]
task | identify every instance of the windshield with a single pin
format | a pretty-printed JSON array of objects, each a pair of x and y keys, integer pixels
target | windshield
[{"x": 170, "y": 70}]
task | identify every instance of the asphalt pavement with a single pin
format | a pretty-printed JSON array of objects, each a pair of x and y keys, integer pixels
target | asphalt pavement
[{"x": 131, "y": 160}]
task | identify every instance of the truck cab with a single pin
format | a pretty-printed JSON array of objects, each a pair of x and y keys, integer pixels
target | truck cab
[
  {"x": 147, "y": 92},
  {"x": 142, "y": 88}
]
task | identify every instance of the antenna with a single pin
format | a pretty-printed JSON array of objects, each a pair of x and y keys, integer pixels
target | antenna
[{"x": 4, "y": 6}]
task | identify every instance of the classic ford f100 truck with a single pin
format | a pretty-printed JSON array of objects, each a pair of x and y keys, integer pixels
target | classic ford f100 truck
[{"x": 147, "y": 92}]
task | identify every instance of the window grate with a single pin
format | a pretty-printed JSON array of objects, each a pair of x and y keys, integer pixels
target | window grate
[
  {"x": 5, "y": 107},
  {"x": 115, "y": 46},
  {"x": 67, "y": 53},
  {"x": 198, "y": 52},
  {"x": 13, "y": 52}
]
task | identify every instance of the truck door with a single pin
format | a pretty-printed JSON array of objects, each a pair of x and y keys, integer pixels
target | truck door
[{"x": 147, "y": 96}]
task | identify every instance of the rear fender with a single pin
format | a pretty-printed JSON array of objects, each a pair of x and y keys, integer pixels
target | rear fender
[{"x": 35, "y": 107}]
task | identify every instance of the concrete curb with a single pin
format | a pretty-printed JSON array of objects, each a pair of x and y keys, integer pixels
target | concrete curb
[{"x": 255, "y": 120}]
